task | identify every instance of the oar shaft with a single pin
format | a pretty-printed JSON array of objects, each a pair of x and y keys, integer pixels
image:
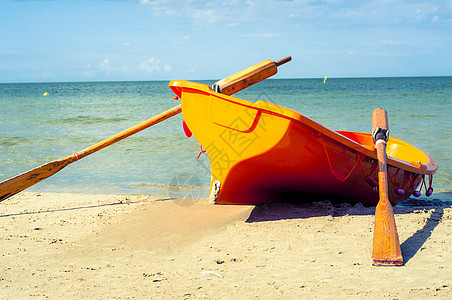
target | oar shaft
[
  {"x": 380, "y": 146},
  {"x": 128, "y": 132}
]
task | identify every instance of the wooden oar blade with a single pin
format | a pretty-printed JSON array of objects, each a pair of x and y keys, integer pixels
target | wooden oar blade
[
  {"x": 386, "y": 245},
  {"x": 22, "y": 181}
]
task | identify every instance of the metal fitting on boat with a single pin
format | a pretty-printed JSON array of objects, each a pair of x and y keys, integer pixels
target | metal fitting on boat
[
  {"x": 380, "y": 134},
  {"x": 216, "y": 88},
  {"x": 214, "y": 192}
]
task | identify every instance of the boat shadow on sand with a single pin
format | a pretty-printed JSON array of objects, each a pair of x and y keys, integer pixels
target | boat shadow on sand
[{"x": 273, "y": 211}]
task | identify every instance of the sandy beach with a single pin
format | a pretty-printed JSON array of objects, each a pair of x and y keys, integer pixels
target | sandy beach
[{"x": 80, "y": 246}]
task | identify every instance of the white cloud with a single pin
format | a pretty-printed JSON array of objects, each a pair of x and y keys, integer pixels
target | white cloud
[
  {"x": 89, "y": 73},
  {"x": 147, "y": 2},
  {"x": 161, "y": 9},
  {"x": 382, "y": 53},
  {"x": 105, "y": 64},
  {"x": 230, "y": 2},
  {"x": 261, "y": 35},
  {"x": 202, "y": 17},
  {"x": 394, "y": 42},
  {"x": 47, "y": 75},
  {"x": 192, "y": 69},
  {"x": 150, "y": 65},
  {"x": 153, "y": 65},
  {"x": 200, "y": 13},
  {"x": 167, "y": 67},
  {"x": 8, "y": 53}
]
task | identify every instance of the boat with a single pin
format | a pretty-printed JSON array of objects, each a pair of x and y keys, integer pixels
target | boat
[{"x": 261, "y": 151}]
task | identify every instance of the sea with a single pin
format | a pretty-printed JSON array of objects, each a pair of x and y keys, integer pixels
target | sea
[{"x": 42, "y": 122}]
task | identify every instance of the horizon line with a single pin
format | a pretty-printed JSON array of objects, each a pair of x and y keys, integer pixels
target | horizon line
[{"x": 196, "y": 80}]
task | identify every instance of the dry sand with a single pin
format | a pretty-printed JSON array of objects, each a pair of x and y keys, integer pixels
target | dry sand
[{"x": 98, "y": 246}]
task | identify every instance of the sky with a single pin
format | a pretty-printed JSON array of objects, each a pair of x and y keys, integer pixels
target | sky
[{"x": 127, "y": 40}]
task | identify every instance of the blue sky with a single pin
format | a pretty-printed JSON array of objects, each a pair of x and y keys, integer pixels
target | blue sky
[{"x": 104, "y": 40}]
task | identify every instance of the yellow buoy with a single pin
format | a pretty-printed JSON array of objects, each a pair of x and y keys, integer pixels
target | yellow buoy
[
  {"x": 45, "y": 94},
  {"x": 324, "y": 80}
]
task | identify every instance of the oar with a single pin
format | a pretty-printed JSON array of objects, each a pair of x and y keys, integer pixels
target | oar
[
  {"x": 386, "y": 245},
  {"x": 20, "y": 182}
]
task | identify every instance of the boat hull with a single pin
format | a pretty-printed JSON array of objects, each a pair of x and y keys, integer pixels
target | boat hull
[{"x": 261, "y": 151}]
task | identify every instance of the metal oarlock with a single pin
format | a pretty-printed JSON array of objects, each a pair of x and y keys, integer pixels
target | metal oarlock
[
  {"x": 380, "y": 134},
  {"x": 216, "y": 88}
]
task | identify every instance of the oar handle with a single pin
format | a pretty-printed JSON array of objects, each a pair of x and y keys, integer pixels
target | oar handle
[{"x": 283, "y": 61}]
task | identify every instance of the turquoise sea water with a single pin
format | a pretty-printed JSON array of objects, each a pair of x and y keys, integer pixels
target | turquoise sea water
[{"x": 35, "y": 129}]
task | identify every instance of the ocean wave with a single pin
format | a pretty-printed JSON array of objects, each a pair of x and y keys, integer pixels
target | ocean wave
[
  {"x": 443, "y": 194},
  {"x": 13, "y": 141},
  {"x": 87, "y": 120},
  {"x": 444, "y": 191},
  {"x": 171, "y": 186}
]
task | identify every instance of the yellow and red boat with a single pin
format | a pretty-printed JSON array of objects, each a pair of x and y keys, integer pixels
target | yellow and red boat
[{"x": 260, "y": 151}]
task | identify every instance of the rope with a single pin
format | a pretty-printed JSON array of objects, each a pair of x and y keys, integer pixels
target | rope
[
  {"x": 202, "y": 151},
  {"x": 358, "y": 160}
]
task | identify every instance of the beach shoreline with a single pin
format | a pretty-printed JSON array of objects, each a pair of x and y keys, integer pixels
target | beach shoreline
[{"x": 57, "y": 245}]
